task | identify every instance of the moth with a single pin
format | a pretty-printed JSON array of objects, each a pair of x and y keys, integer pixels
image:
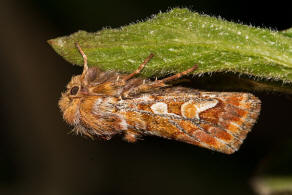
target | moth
[{"x": 104, "y": 104}]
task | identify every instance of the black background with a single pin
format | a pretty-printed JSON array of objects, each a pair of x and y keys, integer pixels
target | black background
[{"x": 38, "y": 156}]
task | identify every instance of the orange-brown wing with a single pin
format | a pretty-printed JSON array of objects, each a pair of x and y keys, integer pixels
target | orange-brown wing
[{"x": 213, "y": 120}]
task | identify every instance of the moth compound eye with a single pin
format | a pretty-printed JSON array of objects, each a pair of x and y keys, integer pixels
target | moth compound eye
[{"x": 74, "y": 90}]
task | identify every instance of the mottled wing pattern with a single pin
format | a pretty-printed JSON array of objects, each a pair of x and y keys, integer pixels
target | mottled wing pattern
[{"x": 213, "y": 120}]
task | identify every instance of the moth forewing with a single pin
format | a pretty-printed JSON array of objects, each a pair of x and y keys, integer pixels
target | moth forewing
[{"x": 218, "y": 121}]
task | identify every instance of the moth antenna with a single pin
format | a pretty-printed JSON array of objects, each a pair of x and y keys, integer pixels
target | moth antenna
[{"x": 85, "y": 66}]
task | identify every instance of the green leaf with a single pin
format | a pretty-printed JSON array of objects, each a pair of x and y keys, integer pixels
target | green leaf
[
  {"x": 273, "y": 185},
  {"x": 181, "y": 38},
  {"x": 274, "y": 174},
  {"x": 287, "y": 32}
]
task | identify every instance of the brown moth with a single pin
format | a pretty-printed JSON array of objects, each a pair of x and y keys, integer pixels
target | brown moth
[{"x": 103, "y": 104}]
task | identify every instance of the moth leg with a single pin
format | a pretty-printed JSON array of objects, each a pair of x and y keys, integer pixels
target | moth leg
[
  {"x": 157, "y": 83},
  {"x": 131, "y": 136},
  {"x": 176, "y": 76},
  {"x": 139, "y": 68}
]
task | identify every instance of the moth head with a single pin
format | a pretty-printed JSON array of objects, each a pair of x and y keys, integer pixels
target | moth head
[{"x": 77, "y": 88}]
